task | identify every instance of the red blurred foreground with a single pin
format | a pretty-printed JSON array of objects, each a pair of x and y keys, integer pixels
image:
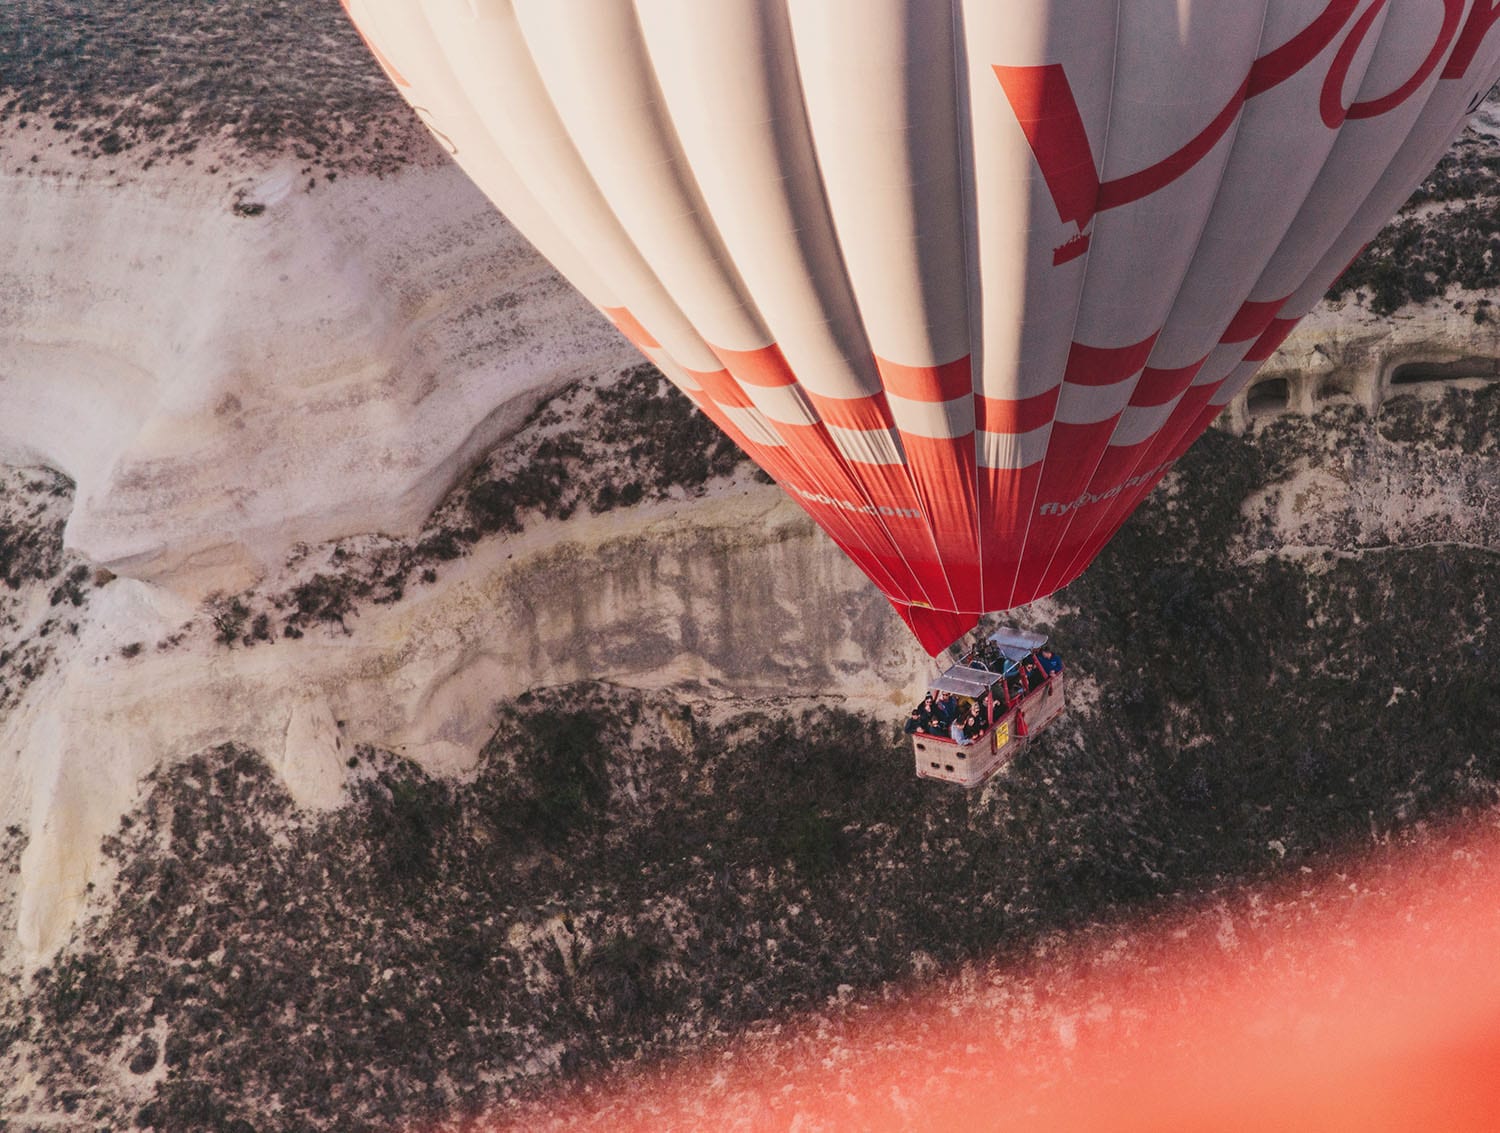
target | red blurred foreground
[{"x": 1369, "y": 1000}]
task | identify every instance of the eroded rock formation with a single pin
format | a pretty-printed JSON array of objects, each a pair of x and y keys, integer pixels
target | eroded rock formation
[{"x": 220, "y": 385}]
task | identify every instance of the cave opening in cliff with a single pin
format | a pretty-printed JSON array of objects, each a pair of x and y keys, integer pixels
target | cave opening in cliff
[
  {"x": 1420, "y": 373},
  {"x": 1268, "y": 397}
]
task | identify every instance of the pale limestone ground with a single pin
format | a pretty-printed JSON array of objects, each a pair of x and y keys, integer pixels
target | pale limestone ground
[{"x": 222, "y": 386}]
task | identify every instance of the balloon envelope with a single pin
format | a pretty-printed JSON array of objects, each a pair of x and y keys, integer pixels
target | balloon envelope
[{"x": 966, "y": 278}]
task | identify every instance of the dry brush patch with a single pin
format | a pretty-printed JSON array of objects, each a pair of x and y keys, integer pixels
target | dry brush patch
[
  {"x": 34, "y": 505},
  {"x": 135, "y": 84},
  {"x": 601, "y": 893},
  {"x": 1446, "y": 234}
]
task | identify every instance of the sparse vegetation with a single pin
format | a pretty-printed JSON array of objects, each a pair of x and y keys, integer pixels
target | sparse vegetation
[
  {"x": 1463, "y": 421},
  {"x": 144, "y": 83},
  {"x": 1448, "y": 233},
  {"x": 228, "y": 614},
  {"x": 323, "y": 598},
  {"x": 31, "y": 532},
  {"x": 642, "y": 428},
  {"x": 1415, "y": 259},
  {"x": 620, "y": 879},
  {"x": 33, "y": 511},
  {"x": 600, "y": 892}
]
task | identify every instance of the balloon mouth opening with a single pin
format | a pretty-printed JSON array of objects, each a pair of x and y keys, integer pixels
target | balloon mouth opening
[{"x": 936, "y": 629}]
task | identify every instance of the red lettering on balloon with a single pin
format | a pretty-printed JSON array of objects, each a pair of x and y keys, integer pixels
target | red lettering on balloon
[
  {"x": 1331, "y": 101},
  {"x": 1044, "y": 105},
  {"x": 1123, "y": 190},
  {"x": 1281, "y": 63},
  {"x": 1453, "y": 13},
  {"x": 1048, "y": 113},
  {"x": 1481, "y": 19},
  {"x": 1331, "y": 97},
  {"x": 1070, "y": 249},
  {"x": 1047, "y": 110}
]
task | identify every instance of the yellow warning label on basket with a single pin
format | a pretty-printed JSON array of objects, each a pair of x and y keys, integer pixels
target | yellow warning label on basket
[{"x": 1002, "y": 735}]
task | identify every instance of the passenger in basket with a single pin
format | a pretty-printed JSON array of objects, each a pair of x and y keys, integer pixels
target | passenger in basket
[
  {"x": 1051, "y": 662},
  {"x": 919, "y": 716},
  {"x": 932, "y": 722},
  {"x": 1033, "y": 671},
  {"x": 947, "y": 708},
  {"x": 956, "y": 731},
  {"x": 974, "y": 723}
]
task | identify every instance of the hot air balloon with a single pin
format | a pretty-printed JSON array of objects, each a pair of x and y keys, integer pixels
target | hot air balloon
[{"x": 965, "y": 277}]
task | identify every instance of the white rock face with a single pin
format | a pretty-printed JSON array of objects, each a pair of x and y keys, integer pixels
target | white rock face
[
  {"x": 221, "y": 386},
  {"x": 228, "y": 372},
  {"x": 716, "y": 591},
  {"x": 1342, "y": 351}
]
